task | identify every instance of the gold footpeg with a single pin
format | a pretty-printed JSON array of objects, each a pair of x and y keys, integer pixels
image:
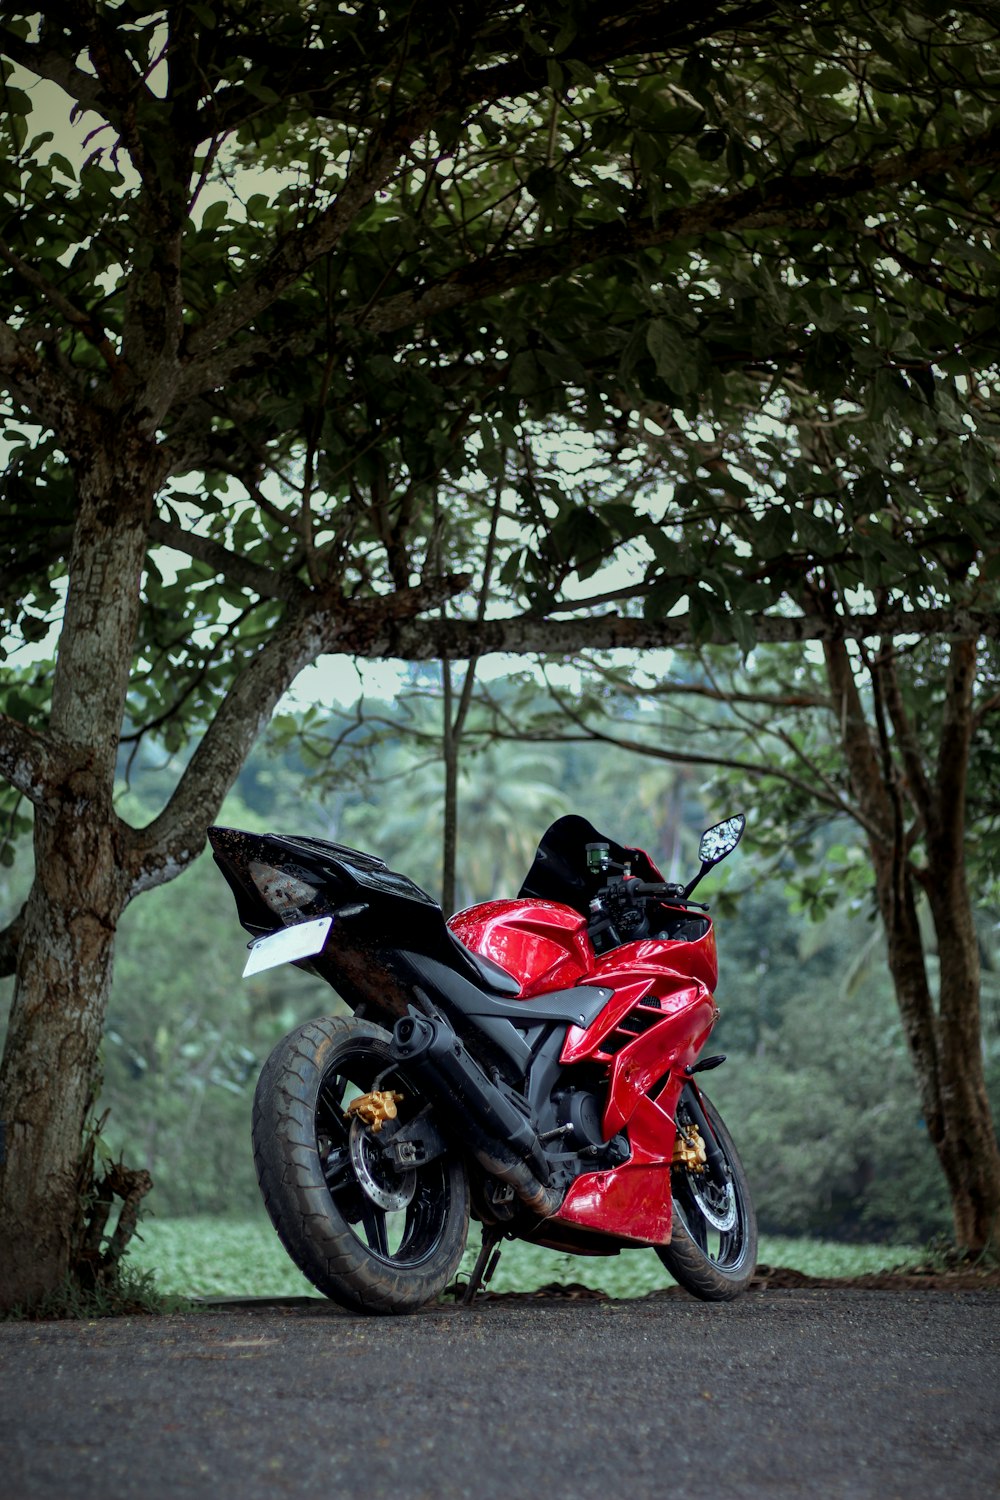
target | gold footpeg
[{"x": 375, "y": 1108}]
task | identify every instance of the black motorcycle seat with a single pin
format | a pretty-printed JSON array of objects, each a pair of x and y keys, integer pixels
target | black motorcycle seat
[{"x": 492, "y": 975}]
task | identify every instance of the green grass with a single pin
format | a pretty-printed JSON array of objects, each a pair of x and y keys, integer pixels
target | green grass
[{"x": 242, "y": 1258}]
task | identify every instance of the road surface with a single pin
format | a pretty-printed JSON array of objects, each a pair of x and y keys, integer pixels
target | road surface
[{"x": 817, "y": 1393}]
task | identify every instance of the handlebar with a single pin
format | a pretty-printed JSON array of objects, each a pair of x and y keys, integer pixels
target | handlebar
[
  {"x": 622, "y": 893},
  {"x": 660, "y": 890},
  {"x": 617, "y": 911}
]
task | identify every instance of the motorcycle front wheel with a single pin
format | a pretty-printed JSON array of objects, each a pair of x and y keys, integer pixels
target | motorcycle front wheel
[
  {"x": 713, "y": 1243},
  {"x": 368, "y": 1234}
]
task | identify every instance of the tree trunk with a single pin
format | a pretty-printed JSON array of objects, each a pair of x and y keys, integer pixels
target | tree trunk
[
  {"x": 944, "y": 1034},
  {"x": 966, "y": 1140},
  {"x": 963, "y": 1133},
  {"x": 48, "y": 1081},
  {"x": 49, "y": 1074},
  {"x": 944, "y": 1043}
]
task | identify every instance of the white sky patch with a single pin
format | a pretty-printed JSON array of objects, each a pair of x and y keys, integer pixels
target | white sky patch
[{"x": 337, "y": 681}]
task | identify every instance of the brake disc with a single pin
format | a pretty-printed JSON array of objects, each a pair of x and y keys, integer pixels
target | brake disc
[
  {"x": 377, "y": 1177},
  {"x": 716, "y": 1205}
]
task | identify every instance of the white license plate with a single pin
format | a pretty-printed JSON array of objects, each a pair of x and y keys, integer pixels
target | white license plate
[{"x": 284, "y": 947}]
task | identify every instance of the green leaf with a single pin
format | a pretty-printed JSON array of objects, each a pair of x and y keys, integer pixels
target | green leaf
[
  {"x": 673, "y": 354},
  {"x": 214, "y": 216},
  {"x": 680, "y": 120},
  {"x": 524, "y": 378},
  {"x": 980, "y": 472},
  {"x": 63, "y": 164},
  {"x": 744, "y": 631},
  {"x": 664, "y": 595},
  {"x": 34, "y": 629},
  {"x": 255, "y": 85}
]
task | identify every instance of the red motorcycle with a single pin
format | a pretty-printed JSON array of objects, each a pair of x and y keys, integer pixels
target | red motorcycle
[{"x": 530, "y": 1063}]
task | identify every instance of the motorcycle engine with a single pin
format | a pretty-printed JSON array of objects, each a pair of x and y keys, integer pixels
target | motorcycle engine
[{"x": 581, "y": 1111}]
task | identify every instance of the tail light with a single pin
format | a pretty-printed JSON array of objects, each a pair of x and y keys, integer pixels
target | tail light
[{"x": 282, "y": 890}]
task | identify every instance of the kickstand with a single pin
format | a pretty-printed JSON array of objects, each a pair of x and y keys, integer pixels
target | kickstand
[{"x": 486, "y": 1263}]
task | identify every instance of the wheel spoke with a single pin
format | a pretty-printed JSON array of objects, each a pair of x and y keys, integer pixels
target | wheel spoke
[
  {"x": 376, "y": 1228},
  {"x": 696, "y": 1225},
  {"x": 397, "y": 1237},
  {"x": 330, "y": 1108}
]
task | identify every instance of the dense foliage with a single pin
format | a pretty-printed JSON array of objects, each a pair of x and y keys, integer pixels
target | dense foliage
[
  {"x": 819, "y": 1088},
  {"x": 339, "y": 258}
]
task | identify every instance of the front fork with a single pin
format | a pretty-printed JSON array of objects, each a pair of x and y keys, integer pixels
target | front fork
[{"x": 715, "y": 1161}]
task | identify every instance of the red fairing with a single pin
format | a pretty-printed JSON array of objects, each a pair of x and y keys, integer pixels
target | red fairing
[
  {"x": 653, "y": 1026},
  {"x": 632, "y": 1202}
]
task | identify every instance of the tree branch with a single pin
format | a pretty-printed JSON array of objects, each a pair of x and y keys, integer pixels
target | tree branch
[
  {"x": 311, "y": 628},
  {"x": 35, "y": 385},
  {"x": 423, "y": 640},
  {"x": 120, "y": 85},
  {"x": 51, "y": 62},
  {"x": 84, "y": 322},
  {"x": 241, "y": 571},
  {"x": 29, "y": 761},
  {"x": 919, "y": 789},
  {"x": 609, "y": 35},
  {"x": 303, "y": 246},
  {"x": 688, "y": 757},
  {"x": 791, "y": 201},
  {"x": 299, "y": 248},
  {"x": 661, "y": 689}
]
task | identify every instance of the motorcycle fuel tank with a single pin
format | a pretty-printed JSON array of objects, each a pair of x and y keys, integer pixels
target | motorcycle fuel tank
[{"x": 543, "y": 944}]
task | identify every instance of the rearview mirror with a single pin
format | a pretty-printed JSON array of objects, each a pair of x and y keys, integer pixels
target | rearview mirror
[{"x": 721, "y": 839}]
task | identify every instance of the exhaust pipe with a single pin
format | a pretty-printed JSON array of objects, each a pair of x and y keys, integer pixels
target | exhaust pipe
[{"x": 509, "y": 1147}]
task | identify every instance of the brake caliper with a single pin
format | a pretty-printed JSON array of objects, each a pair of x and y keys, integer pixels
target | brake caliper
[
  {"x": 375, "y": 1108},
  {"x": 689, "y": 1149}
]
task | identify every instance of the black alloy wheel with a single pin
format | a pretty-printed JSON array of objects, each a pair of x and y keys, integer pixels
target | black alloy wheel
[
  {"x": 367, "y": 1233},
  {"x": 713, "y": 1246}
]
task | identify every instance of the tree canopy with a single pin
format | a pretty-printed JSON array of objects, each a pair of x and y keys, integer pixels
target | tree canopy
[{"x": 354, "y": 251}]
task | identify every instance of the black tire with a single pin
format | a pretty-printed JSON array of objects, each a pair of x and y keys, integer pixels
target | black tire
[
  {"x": 712, "y": 1263},
  {"x": 381, "y": 1257}
]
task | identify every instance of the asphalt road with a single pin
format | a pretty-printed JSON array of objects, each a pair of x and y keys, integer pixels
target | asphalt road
[{"x": 784, "y": 1393}]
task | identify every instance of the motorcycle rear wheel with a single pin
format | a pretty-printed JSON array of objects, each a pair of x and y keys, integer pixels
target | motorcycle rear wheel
[
  {"x": 713, "y": 1244},
  {"x": 367, "y": 1234}
]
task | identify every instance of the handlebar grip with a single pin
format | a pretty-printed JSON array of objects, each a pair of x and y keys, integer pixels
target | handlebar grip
[{"x": 655, "y": 888}]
